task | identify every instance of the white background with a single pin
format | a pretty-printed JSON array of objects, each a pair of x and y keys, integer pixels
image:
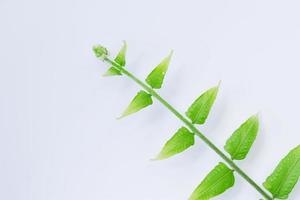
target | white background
[{"x": 59, "y": 139}]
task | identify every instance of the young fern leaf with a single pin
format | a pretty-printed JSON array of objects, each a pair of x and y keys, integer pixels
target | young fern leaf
[
  {"x": 221, "y": 177},
  {"x": 156, "y": 77},
  {"x": 199, "y": 110},
  {"x": 240, "y": 142},
  {"x": 215, "y": 183},
  {"x": 285, "y": 176},
  {"x": 120, "y": 59},
  {"x": 140, "y": 101},
  {"x": 100, "y": 51},
  {"x": 180, "y": 141}
]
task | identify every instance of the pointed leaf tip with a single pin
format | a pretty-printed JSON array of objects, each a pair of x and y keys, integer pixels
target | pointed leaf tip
[
  {"x": 140, "y": 101},
  {"x": 285, "y": 176},
  {"x": 241, "y": 141},
  {"x": 199, "y": 110},
  {"x": 215, "y": 183},
  {"x": 156, "y": 77},
  {"x": 181, "y": 140},
  {"x": 120, "y": 59}
]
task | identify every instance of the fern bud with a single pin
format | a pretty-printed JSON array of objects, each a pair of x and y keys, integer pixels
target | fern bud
[{"x": 100, "y": 51}]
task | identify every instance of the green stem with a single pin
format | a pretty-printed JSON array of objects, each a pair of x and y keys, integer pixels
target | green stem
[{"x": 191, "y": 127}]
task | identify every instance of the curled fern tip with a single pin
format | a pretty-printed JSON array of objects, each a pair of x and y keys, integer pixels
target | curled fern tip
[{"x": 100, "y": 51}]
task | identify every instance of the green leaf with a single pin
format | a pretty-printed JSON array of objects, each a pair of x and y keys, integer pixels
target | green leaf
[
  {"x": 180, "y": 141},
  {"x": 156, "y": 77},
  {"x": 240, "y": 142},
  {"x": 216, "y": 182},
  {"x": 285, "y": 176},
  {"x": 120, "y": 59},
  {"x": 140, "y": 101},
  {"x": 199, "y": 110},
  {"x": 112, "y": 72}
]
